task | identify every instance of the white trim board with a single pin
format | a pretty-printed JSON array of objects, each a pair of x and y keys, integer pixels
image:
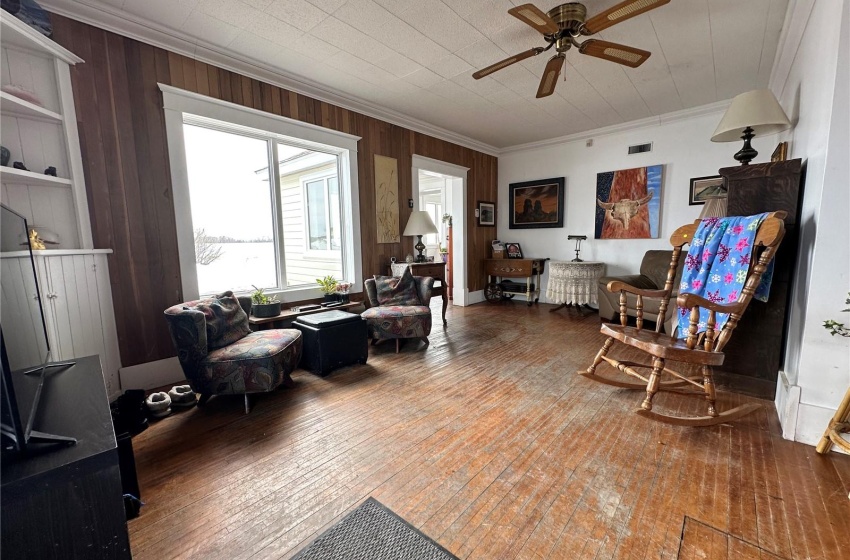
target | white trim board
[
  {"x": 107, "y": 17},
  {"x": 151, "y": 375},
  {"x": 718, "y": 107},
  {"x": 458, "y": 210}
]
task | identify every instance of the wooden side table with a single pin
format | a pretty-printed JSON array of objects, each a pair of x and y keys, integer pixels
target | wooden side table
[
  {"x": 436, "y": 270},
  {"x": 496, "y": 290},
  {"x": 574, "y": 283}
]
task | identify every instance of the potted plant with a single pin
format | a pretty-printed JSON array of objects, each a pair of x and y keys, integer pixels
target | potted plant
[
  {"x": 263, "y": 305},
  {"x": 444, "y": 253},
  {"x": 328, "y": 286}
]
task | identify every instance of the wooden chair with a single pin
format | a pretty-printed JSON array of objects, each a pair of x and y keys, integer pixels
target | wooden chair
[
  {"x": 840, "y": 424},
  {"x": 702, "y": 349}
]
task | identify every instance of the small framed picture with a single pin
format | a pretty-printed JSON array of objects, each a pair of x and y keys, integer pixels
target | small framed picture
[
  {"x": 780, "y": 153},
  {"x": 703, "y": 188},
  {"x": 513, "y": 250},
  {"x": 486, "y": 214}
]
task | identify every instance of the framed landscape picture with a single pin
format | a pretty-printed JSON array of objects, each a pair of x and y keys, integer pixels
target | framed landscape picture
[
  {"x": 703, "y": 188},
  {"x": 486, "y": 213},
  {"x": 628, "y": 203},
  {"x": 536, "y": 204}
]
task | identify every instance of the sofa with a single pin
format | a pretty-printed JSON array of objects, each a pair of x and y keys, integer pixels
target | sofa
[{"x": 653, "y": 275}]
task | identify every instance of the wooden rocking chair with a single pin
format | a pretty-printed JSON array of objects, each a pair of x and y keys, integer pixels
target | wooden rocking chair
[{"x": 703, "y": 349}]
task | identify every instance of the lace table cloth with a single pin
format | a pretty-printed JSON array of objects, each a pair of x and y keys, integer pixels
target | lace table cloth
[{"x": 574, "y": 282}]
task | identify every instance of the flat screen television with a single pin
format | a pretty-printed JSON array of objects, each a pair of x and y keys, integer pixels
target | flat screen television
[{"x": 24, "y": 346}]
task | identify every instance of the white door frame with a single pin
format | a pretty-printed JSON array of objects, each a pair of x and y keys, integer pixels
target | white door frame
[{"x": 460, "y": 292}]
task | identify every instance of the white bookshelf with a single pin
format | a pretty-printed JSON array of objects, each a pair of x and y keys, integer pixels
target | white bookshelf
[
  {"x": 73, "y": 277},
  {"x": 42, "y": 136}
]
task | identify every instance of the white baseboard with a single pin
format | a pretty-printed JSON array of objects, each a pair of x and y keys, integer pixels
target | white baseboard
[
  {"x": 812, "y": 421},
  {"x": 801, "y": 422},
  {"x": 475, "y": 297},
  {"x": 151, "y": 375},
  {"x": 787, "y": 402}
]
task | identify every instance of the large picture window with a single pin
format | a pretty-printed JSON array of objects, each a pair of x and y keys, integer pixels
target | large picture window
[
  {"x": 260, "y": 200},
  {"x": 267, "y": 215}
]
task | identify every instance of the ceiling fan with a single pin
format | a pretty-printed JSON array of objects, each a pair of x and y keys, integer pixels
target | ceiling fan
[{"x": 563, "y": 25}]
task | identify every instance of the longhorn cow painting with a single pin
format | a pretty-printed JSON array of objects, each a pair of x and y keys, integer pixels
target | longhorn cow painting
[{"x": 628, "y": 203}]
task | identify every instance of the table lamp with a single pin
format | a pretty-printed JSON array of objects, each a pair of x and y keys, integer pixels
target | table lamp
[
  {"x": 751, "y": 113},
  {"x": 419, "y": 224},
  {"x": 578, "y": 240},
  {"x": 714, "y": 207}
]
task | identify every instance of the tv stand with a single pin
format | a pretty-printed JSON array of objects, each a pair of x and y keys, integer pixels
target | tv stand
[{"x": 66, "y": 502}]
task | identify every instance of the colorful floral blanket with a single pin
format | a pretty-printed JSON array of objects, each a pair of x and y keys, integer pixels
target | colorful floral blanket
[{"x": 717, "y": 264}]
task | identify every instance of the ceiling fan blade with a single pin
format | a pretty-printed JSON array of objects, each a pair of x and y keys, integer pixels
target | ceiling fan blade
[
  {"x": 618, "y": 13},
  {"x": 615, "y": 52},
  {"x": 507, "y": 62},
  {"x": 535, "y": 17},
  {"x": 550, "y": 75}
]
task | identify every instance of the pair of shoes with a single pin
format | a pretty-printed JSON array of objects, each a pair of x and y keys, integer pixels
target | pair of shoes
[
  {"x": 182, "y": 396},
  {"x": 159, "y": 404}
]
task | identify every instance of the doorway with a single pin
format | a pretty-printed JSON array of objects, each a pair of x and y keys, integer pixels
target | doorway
[{"x": 440, "y": 189}]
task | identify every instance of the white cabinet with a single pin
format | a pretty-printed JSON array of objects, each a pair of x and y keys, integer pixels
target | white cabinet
[{"x": 77, "y": 301}]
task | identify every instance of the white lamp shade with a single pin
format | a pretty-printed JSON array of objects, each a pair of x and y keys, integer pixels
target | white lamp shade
[
  {"x": 420, "y": 223},
  {"x": 757, "y": 109},
  {"x": 714, "y": 207}
]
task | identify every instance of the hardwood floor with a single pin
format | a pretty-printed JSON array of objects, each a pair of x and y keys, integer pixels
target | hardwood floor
[{"x": 489, "y": 443}]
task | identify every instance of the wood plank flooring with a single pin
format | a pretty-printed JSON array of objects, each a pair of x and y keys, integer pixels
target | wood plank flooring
[{"x": 490, "y": 443}]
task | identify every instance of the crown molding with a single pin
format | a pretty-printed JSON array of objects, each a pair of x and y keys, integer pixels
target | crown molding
[
  {"x": 667, "y": 118},
  {"x": 109, "y": 18},
  {"x": 797, "y": 16}
]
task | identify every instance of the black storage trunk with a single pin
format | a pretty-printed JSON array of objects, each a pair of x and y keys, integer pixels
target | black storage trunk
[{"x": 332, "y": 340}]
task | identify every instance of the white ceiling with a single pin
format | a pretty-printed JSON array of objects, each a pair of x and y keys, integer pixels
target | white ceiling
[{"x": 416, "y": 57}]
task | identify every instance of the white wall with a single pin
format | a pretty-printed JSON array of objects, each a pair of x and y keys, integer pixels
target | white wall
[
  {"x": 682, "y": 146},
  {"x": 810, "y": 80}
]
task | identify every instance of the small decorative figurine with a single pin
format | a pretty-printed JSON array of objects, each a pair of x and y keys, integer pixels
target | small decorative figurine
[
  {"x": 50, "y": 171},
  {"x": 20, "y": 165},
  {"x": 409, "y": 258}
]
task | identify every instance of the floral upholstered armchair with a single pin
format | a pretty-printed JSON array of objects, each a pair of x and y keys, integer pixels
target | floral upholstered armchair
[
  {"x": 398, "y": 307},
  {"x": 221, "y": 356}
]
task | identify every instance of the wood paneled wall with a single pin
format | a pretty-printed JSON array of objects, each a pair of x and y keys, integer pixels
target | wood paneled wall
[{"x": 125, "y": 156}]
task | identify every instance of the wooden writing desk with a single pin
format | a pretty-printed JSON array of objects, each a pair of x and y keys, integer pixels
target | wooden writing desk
[{"x": 436, "y": 270}]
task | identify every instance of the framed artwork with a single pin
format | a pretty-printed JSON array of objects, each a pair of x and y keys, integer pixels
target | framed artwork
[
  {"x": 628, "y": 203},
  {"x": 486, "y": 214},
  {"x": 513, "y": 250},
  {"x": 537, "y": 204},
  {"x": 703, "y": 188},
  {"x": 780, "y": 153},
  {"x": 386, "y": 199}
]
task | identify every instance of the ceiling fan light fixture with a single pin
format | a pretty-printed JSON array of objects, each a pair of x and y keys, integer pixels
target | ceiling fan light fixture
[{"x": 560, "y": 27}]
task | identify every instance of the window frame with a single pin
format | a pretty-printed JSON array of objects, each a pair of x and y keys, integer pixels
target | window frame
[
  {"x": 180, "y": 106},
  {"x": 310, "y": 178}
]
